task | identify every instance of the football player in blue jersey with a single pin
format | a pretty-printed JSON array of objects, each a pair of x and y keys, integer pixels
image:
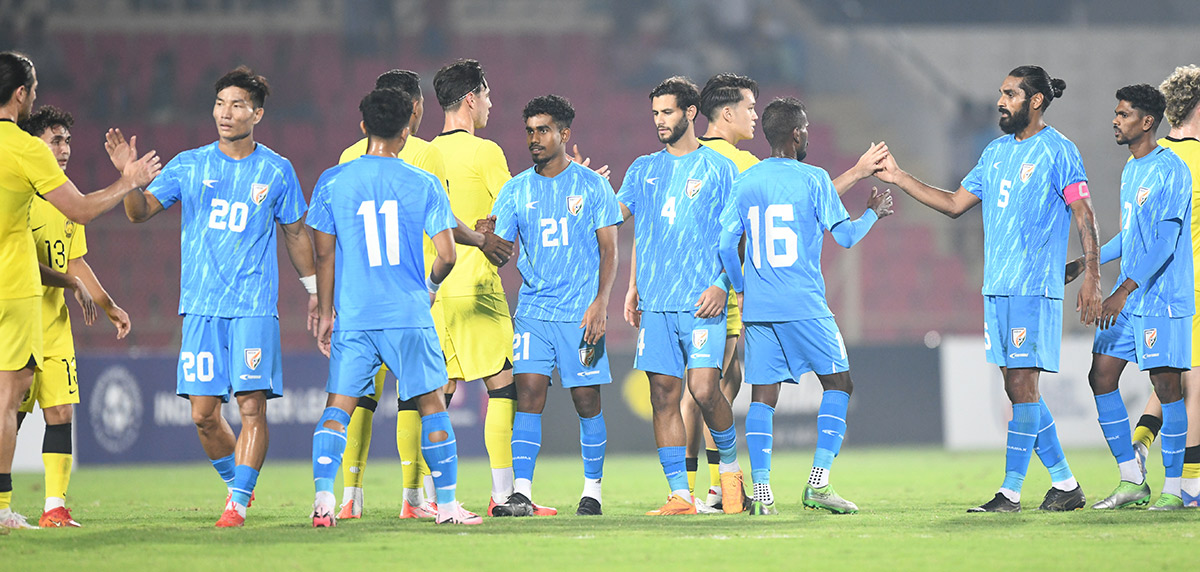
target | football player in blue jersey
[
  {"x": 676, "y": 196},
  {"x": 369, "y": 216},
  {"x": 233, "y": 192},
  {"x": 1032, "y": 185},
  {"x": 1148, "y": 317},
  {"x": 565, "y": 217},
  {"x": 784, "y": 207}
]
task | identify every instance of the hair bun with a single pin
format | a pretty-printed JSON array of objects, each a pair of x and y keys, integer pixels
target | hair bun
[{"x": 1057, "y": 86}]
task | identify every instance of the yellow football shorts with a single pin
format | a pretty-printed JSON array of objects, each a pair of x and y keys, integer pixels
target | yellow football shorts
[
  {"x": 55, "y": 384},
  {"x": 733, "y": 316},
  {"x": 476, "y": 333},
  {"x": 20, "y": 333},
  {"x": 1196, "y": 341}
]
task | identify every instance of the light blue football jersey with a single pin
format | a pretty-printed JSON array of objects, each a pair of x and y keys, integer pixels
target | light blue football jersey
[
  {"x": 380, "y": 208},
  {"x": 676, "y": 202},
  {"x": 1155, "y": 188},
  {"x": 556, "y": 220},
  {"x": 1026, "y": 220},
  {"x": 783, "y": 207},
  {"x": 229, "y": 266}
]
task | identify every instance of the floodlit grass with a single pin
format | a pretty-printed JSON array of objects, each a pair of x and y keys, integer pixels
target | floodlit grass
[{"x": 913, "y": 517}]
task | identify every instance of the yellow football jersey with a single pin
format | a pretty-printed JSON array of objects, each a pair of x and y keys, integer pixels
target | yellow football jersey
[
  {"x": 58, "y": 240},
  {"x": 420, "y": 154},
  {"x": 27, "y": 167},
  {"x": 475, "y": 171},
  {"x": 1189, "y": 150},
  {"x": 743, "y": 159}
]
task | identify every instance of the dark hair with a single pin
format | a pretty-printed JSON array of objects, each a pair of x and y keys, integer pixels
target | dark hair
[
  {"x": 404, "y": 80},
  {"x": 724, "y": 89},
  {"x": 556, "y": 106},
  {"x": 686, "y": 93},
  {"x": 1144, "y": 98},
  {"x": 781, "y": 118},
  {"x": 385, "y": 112},
  {"x": 453, "y": 82},
  {"x": 44, "y": 118},
  {"x": 16, "y": 70},
  {"x": 245, "y": 78},
  {"x": 1034, "y": 79}
]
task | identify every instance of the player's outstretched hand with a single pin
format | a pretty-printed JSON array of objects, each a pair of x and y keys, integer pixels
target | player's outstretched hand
[
  {"x": 1073, "y": 270},
  {"x": 1112, "y": 307},
  {"x": 871, "y": 161},
  {"x": 496, "y": 249},
  {"x": 879, "y": 202},
  {"x": 144, "y": 170},
  {"x": 595, "y": 320},
  {"x": 633, "y": 316},
  {"x": 120, "y": 319},
  {"x": 889, "y": 171},
  {"x": 1088, "y": 305},
  {"x": 120, "y": 151},
  {"x": 486, "y": 224},
  {"x": 314, "y": 316},
  {"x": 711, "y": 302},
  {"x": 86, "y": 303},
  {"x": 603, "y": 170},
  {"x": 325, "y": 334}
]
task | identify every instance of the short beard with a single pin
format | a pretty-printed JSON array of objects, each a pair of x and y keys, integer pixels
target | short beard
[
  {"x": 1016, "y": 122},
  {"x": 544, "y": 160},
  {"x": 676, "y": 132}
]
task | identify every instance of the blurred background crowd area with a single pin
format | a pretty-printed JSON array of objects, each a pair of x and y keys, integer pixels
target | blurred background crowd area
[{"x": 921, "y": 75}]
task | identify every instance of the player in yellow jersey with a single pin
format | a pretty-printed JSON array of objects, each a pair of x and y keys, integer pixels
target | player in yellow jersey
[
  {"x": 28, "y": 169},
  {"x": 1182, "y": 90},
  {"x": 61, "y": 245},
  {"x": 419, "y": 500},
  {"x": 471, "y": 312}
]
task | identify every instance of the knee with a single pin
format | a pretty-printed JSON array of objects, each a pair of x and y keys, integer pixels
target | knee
[
  {"x": 587, "y": 403},
  {"x": 206, "y": 420},
  {"x": 253, "y": 410},
  {"x": 662, "y": 396},
  {"x": 705, "y": 395}
]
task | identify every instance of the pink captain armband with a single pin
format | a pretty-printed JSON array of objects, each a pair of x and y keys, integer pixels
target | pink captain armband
[{"x": 1076, "y": 191}]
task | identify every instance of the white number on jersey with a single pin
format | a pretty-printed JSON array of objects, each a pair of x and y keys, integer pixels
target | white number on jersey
[
  {"x": 225, "y": 215},
  {"x": 202, "y": 363},
  {"x": 1005, "y": 186},
  {"x": 391, "y": 230},
  {"x": 550, "y": 227},
  {"x": 1128, "y": 215},
  {"x": 774, "y": 234},
  {"x": 668, "y": 210},
  {"x": 520, "y": 346}
]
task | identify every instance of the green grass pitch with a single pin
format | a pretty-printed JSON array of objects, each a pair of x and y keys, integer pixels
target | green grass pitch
[{"x": 912, "y": 517}]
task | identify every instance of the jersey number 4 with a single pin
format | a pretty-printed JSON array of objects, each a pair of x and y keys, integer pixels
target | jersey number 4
[{"x": 773, "y": 236}]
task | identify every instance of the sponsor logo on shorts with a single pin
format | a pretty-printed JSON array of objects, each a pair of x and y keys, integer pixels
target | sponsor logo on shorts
[
  {"x": 1026, "y": 171},
  {"x": 258, "y": 192},
  {"x": 1151, "y": 337},
  {"x": 693, "y": 187},
  {"x": 575, "y": 204},
  {"x": 1018, "y": 336},
  {"x": 1142, "y": 194},
  {"x": 246, "y": 376},
  {"x": 253, "y": 357},
  {"x": 697, "y": 356},
  {"x": 699, "y": 338},
  {"x": 1017, "y": 355},
  {"x": 115, "y": 410}
]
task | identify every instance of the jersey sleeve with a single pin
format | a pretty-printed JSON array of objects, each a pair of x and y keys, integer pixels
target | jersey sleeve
[
  {"x": 320, "y": 212},
  {"x": 973, "y": 182},
  {"x": 1068, "y": 168},
  {"x": 41, "y": 168},
  {"x": 290, "y": 206},
  {"x": 631, "y": 187},
  {"x": 830, "y": 210},
  {"x": 607, "y": 211},
  {"x": 505, "y": 212},
  {"x": 438, "y": 216},
  {"x": 731, "y": 215},
  {"x": 435, "y": 163},
  {"x": 166, "y": 187},
  {"x": 493, "y": 167},
  {"x": 1173, "y": 199},
  {"x": 78, "y": 244}
]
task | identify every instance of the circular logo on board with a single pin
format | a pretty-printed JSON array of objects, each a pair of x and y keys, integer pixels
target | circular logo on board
[{"x": 116, "y": 410}]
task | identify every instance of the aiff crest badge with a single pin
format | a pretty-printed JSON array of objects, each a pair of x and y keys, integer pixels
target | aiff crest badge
[
  {"x": 575, "y": 204},
  {"x": 699, "y": 338},
  {"x": 1018, "y": 336},
  {"x": 253, "y": 357},
  {"x": 1142, "y": 194},
  {"x": 1026, "y": 171},
  {"x": 1151, "y": 337},
  {"x": 258, "y": 192},
  {"x": 693, "y": 187}
]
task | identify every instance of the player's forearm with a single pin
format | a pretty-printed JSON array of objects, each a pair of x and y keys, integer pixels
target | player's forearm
[
  {"x": 608, "y": 263},
  {"x": 848, "y": 233},
  {"x": 727, "y": 250},
  {"x": 1111, "y": 250},
  {"x": 633, "y": 267},
  {"x": 847, "y": 180},
  {"x": 1089, "y": 236},
  {"x": 54, "y": 278},
  {"x": 300, "y": 249},
  {"x": 79, "y": 267},
  {"x": 137, "y": 207},
  {"x": 1158, "y": 252},
  {"x": 325, "y": 246},
  {"x": 82, "y": 208},
  {"x": 937, "y": 199},
  {"x": 466, "y": 235}
]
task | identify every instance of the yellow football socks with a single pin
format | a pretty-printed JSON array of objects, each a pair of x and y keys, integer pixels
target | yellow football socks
[
  {"x": 408, "y": 444},
  {"x": 497, "y": 430},
  {"x": 1143, "y": 435},
  {"x": 714, "y": 476},
  {"x": 358, "y": 442},
  {"x": 58, "y": 474}
]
